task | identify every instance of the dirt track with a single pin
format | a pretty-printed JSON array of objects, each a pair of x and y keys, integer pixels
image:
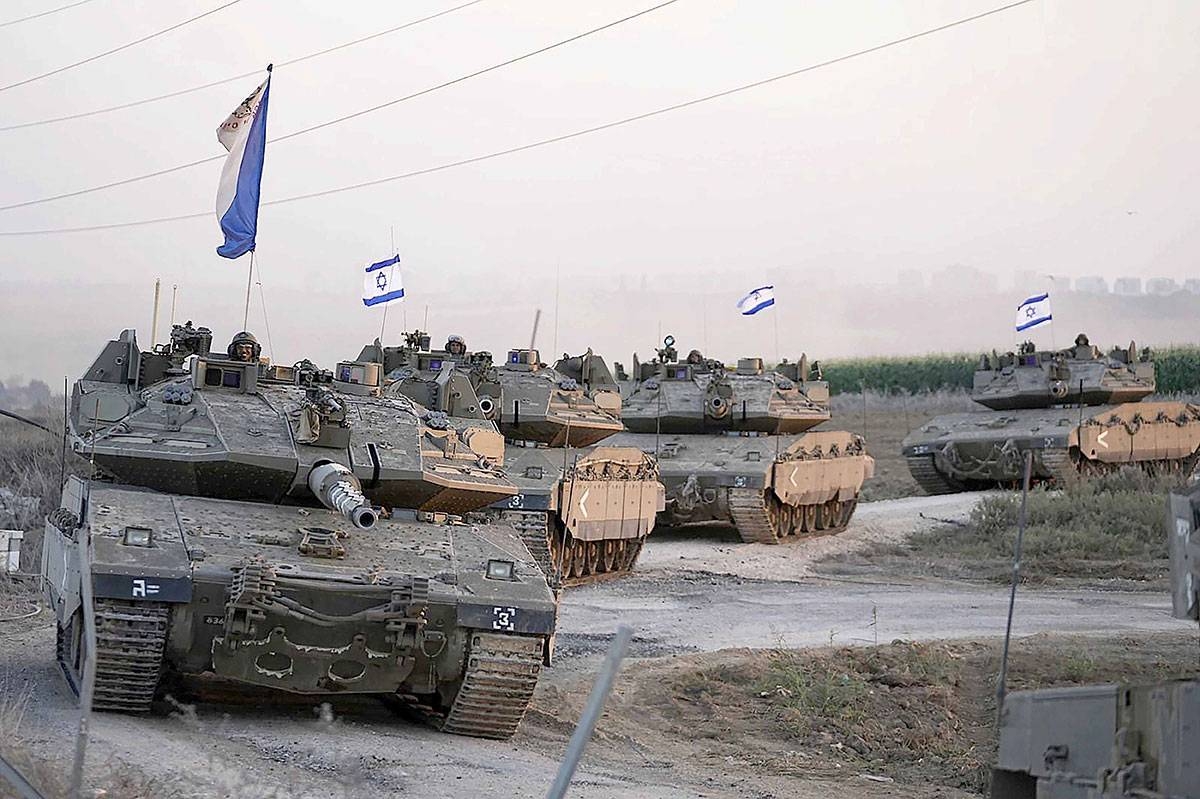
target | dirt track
[{"x": 693, "y": 593}]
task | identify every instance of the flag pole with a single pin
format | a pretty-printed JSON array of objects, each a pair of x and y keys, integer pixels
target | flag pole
[
  {"x": 775, "y": 321},
  {"x": 383, "y": 323},
  {"x": 249, "y": 283}
]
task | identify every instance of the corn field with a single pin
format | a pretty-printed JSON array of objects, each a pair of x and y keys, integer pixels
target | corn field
[{"x": 1177, "y": 370}]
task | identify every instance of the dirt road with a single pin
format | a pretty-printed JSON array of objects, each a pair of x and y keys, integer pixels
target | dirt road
[{"x": 692, "y": 593}]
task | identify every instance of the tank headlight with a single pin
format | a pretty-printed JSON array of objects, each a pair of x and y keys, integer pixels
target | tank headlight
[
  {"x": 138, "y": 537},
  {"x": 501, "y": 570}
]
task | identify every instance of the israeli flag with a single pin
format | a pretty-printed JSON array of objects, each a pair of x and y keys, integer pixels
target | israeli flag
[
  {"x": 381, "y": 283},
  {"x": 1033, "y": 312},
  {"x": 244, "y": 135},
  {"x": 755, "y": 301}
]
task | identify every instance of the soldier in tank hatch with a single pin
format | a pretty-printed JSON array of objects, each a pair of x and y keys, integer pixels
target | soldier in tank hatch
[
  {"x": 244, "y": 347},
  {"x": 455, "y": 345}
]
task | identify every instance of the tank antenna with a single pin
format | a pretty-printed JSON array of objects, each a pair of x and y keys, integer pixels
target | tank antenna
[
  {"x": 1002, "y": 680},
  {"x": 557, "y": 281},
  {"x": 174, "y": 292},
  {"x": 537, "y": 317},
  {"x": 154, "y": 316}
]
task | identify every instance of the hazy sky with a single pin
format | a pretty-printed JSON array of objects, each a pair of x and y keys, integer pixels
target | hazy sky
[{"x": 1018, "y": 142}]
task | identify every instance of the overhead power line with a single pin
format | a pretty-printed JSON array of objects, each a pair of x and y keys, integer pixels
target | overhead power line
[
  {"x": 43, "y": 13},
  {"x": 232, "y": 78},
  {"x": 341, "y": 119},
  {"x": 125, "y": 46},
  {"x": 552, "y": 140}
]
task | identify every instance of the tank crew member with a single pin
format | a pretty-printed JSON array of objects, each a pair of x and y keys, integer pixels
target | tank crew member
[
  {"x": 456, "y": 346},
  {"x": 696, "y": 358},
  {"x": 1082, "y": 340},
  {"x": 244, "y": 347}
]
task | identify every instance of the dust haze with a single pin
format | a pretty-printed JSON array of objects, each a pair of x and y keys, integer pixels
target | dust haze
[{"x": 901, "y": 202}]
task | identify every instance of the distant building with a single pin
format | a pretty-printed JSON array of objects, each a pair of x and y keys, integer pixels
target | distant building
[
  {"x": 1161, "y": 286},
  {"x": 1061, "y": 282},
  {"x": 963, "y": 279},
  {"x": 1127, "y": 286},
  {"x": 1091, "y": 284},
  {"x": 1192, "y": 285}
]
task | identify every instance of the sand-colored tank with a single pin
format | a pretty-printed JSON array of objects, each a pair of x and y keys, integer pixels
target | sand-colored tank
[
  {"x": 732, "y": 446},
  {"x": 291, "y": 528},
  {"x": 583, "y": 510},
  {"x": 1078, "y": 410}
]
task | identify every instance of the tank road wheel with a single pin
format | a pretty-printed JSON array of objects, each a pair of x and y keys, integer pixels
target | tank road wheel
[
  {"x": 811, "y": 521},
  {"x": 594, "y": 556},
  {"x": 497, "y": 686},
  {"x": 579, "y": 559},
  {"x": 932, "y": 481},
  {"x": 610, "y": 554},
  {"x": 827, "y": 514}
]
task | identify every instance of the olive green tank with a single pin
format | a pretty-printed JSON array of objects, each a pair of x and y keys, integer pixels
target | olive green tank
[
  {"x": 732, "y": 445},
  {"x": 1113, "y": 741},
  {"x": 1078, "y": 410},
  {"x": 290, "y": 528},
  {"x": 584, "y": 510}
]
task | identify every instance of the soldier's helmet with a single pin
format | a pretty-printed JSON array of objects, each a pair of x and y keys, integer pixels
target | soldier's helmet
[
  {"x": 244, "y": 347},
  {"x": 455, "y": 345},
  {"x": 1082, "y": 340},
  {"x": 695, "y": 357}
]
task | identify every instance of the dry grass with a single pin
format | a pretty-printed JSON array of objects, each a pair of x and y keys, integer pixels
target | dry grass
[
  {"x": 920, "y": 713},
  {"x": 884, "y": 420},
  {"x": 1099, "y": 529}
]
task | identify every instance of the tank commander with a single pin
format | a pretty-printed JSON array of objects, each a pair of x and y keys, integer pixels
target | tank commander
[
  {"x": 456, "y": 346},
  {"x": 696, "y": 358},
  {"x": 244, "y": 347}
]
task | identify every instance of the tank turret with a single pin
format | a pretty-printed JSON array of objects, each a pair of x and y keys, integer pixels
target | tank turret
[
  {"x": 541, "y": 404},
  {"x": 700, "y": 395},
  {"x": 1078, "y": 375},
  {"x": 732, "y": 444},
  {"x": 1079, "y": 410},
  {"x": 292, "y": 528}
]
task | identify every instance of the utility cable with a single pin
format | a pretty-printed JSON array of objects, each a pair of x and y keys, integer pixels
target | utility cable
[
  {"x": 43, "y": 13},
  {"x": 543, "y": 142},
  {"x": 338, "y": 120},
  {"x": 118, "y": 49},
  {"x": 233, "y": 78}
]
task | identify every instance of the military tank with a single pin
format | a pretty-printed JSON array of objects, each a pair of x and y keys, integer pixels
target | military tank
[
  {"x": 1078, "y": 410},
  {"x": 583, "y": 510},
  {"x": 1114, "y": 741},
  {"x": 732, "y": 445},
  {"x": 291, "y": 528}
]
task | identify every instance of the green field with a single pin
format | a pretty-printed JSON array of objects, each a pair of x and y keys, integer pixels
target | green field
[{"x": 1177, "y": 370}]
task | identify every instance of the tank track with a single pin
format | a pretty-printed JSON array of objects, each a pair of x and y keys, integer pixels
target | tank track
[
  {"x": 131, "y": 639},
  {"x": 531, "y": 526},
  {"x": 751, "y": 517},
  {"x": 760, "y": 518},
  {"x": 586, "y": 562},
  {"x": 497, "y": 686},
  {"x": 1059, "y": 464},
  {"x": 929, "y": 478}
]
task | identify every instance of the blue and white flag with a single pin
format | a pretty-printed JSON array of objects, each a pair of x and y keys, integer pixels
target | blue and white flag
[
  {"x": 1033, "y": 312},
  {"x": 244, "y": 135},
  {"x": 755, "y": 301},
  {"x": 381, "y": 283}
]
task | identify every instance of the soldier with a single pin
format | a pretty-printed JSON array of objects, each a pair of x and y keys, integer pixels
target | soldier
[
  {"x": 696, "y": 358},
  {"x": 456, "y": 346},
  {"x": 244, "y": 347},
  {"x": 1082, "y": 340}
]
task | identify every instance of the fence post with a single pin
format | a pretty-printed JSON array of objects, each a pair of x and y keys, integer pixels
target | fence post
[{"x": 591, "y": 713}]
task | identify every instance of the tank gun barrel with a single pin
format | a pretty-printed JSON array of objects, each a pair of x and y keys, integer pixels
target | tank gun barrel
[{"x": 339, "y": 490}]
